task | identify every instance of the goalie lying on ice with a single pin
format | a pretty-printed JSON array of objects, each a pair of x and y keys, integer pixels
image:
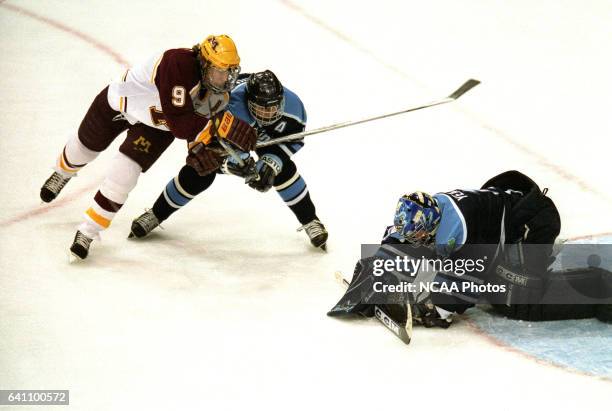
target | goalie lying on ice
[{"x": 447, "y": 252}]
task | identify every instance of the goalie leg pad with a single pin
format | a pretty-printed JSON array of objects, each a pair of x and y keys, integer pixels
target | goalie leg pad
[{"x": 585, "y": 293}]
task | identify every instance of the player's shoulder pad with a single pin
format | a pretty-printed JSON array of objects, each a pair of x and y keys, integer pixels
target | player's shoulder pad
[
  {"x": 238, "y": 104},
  {"x": 294, "y": 108},
  {"x": 452, "y": 232},
  {"x": 176, "y": 67}
]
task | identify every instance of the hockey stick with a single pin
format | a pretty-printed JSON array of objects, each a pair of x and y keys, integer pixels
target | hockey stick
[
  {"x": 403, "y": 333},
  {"x": 467, "y": 86}
]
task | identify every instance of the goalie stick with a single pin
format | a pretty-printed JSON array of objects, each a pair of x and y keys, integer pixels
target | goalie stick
[
  {"x": 467, "y": 86},
  {"x": 404, "y": 333}
]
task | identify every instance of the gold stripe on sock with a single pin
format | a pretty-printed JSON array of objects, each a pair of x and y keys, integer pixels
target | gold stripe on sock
[{"x": 101, "y": 221}]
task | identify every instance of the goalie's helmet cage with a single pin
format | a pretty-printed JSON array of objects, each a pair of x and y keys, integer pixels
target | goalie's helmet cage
[
  {"x": 265, "y": 97},
  {"x": 417, "y": 217},
  {"x": 220, "y": 63}
]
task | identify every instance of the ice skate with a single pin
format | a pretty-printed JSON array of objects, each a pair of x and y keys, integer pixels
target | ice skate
[
  {"x": 143, "y": 225},
  {"x": 53, "y": 186},
  {"x": 80, "y": 245},
  {"x": 316, "y": 233}
]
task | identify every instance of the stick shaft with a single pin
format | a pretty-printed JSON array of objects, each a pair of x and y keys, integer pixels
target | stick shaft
[{"x": 465, "y": 87}]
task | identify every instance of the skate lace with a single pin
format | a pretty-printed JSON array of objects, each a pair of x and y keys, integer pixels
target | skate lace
[
  {"x": 56, "y": 182},
  {"x": 82, "y": 239},
  {"x": 313, "y": 229},
  {"x": 149, "y": 221}
]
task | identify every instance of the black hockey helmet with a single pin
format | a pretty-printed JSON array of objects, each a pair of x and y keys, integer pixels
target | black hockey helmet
[{"x": 265, "y": 97}]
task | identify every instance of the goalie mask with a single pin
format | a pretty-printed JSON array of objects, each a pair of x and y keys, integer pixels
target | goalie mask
[
  {"x": 417, "y": 218},
  {"x": 265, "y": 97},
  {"x": 219, "y": 63}
]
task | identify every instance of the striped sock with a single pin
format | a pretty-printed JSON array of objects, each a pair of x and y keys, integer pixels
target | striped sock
[
  {"x": 99, "y": 216},
  {"x": 294, "y": 193},
  {"x": 74, "y": 157},
  {"x": 173, "y": 198},
  {"x": 65, "y": 167}
]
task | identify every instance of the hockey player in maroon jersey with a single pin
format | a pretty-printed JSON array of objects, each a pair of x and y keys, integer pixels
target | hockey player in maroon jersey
[
  {"x": 274, "y": 111},
  {"x": 179, "y": 93}
]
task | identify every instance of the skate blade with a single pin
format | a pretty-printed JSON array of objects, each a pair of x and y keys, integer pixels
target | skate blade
[
  {"x": 73, "y": 258},
  {"x": 322, "y": 247}
]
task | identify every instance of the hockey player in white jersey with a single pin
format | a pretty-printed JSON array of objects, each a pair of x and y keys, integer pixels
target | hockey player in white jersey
[
  {"x": 180, "y": 93},
  {"x": 274, "y": 111}
]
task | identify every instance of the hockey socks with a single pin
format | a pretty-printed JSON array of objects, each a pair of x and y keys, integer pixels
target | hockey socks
[
  {"x": 120, "y": 180},
  {"x": 179, "y": 191},
  {"x": 294, "y": 193},
  {"x": 73, "y": 157}
]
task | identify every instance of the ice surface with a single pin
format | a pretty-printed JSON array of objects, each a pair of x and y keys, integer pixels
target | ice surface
[
  {"x": 225, "y": 308},
  {"x": 582, "y": 345}
]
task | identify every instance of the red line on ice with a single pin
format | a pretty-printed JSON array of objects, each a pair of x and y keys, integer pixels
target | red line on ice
[
  {"x": 72, "y": 31},
  {"x": 45, "y": 208},
  {"x": 118, "y": 58},
  {"x": 542, "y": 361}
]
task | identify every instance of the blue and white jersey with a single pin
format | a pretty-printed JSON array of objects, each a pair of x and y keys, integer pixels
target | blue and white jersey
[
  {"x": 293, "y": 119},
  {"x": 467, "y": 217},
  {"x": 452, "y": 231},
  {"x": 473, "y": 217}
]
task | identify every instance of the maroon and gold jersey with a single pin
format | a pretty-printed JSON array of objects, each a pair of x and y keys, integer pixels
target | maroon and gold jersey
[{"x": 165, "y": 92}]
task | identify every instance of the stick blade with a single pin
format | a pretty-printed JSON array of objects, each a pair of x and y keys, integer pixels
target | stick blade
[
  {"x": 340, "y": 278},
  {"x": 403, "y": 332},
  {"x": 467, "y": 86}
]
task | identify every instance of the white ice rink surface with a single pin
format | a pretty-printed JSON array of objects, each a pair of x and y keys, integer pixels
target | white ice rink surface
[{"x": 225, "y": 308}]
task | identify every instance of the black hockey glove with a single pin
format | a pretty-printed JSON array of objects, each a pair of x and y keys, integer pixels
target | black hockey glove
[
  {"x": 426, "y": 314},
  {"x": 230, "y": 166},
  {"x": 268, "y": 167}
]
